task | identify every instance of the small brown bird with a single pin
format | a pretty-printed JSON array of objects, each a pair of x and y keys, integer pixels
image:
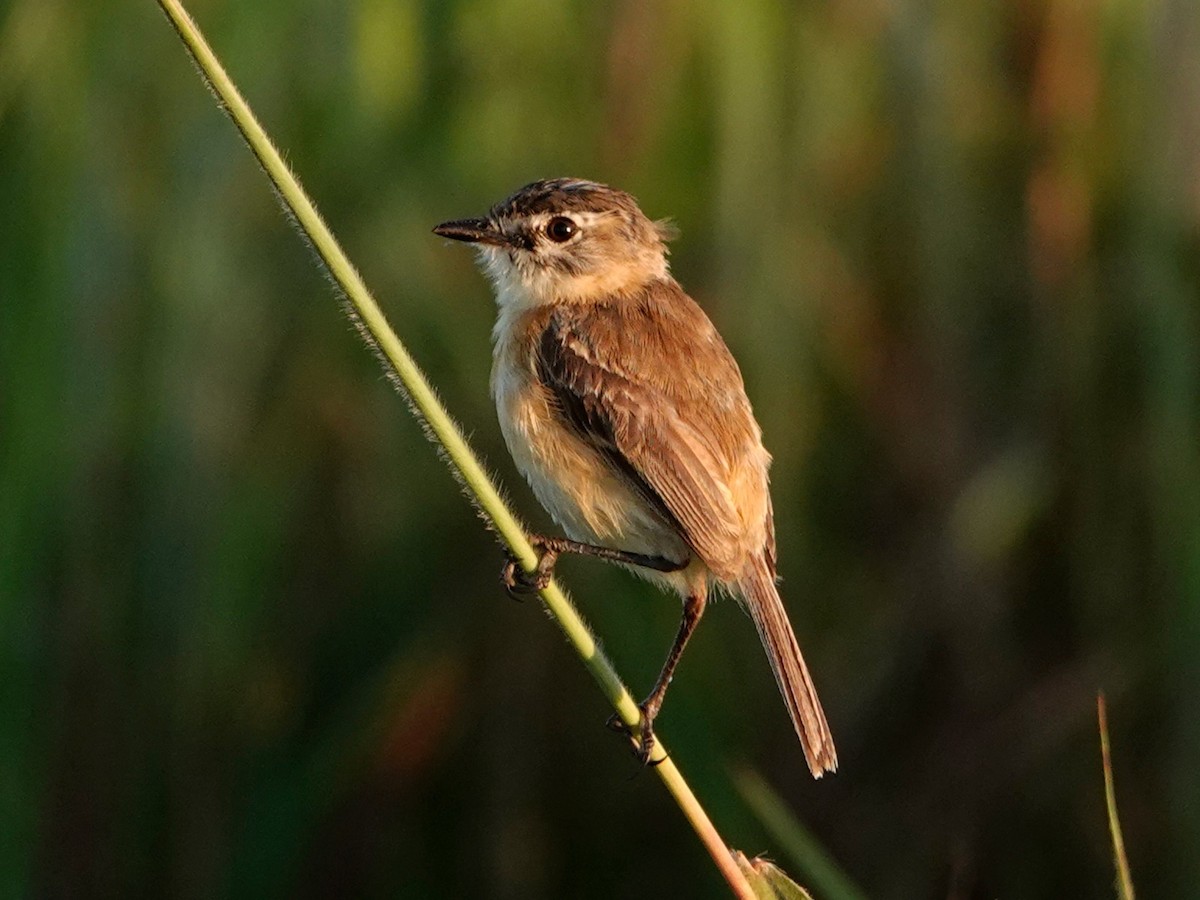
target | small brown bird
[{"x": 626, "y": 412}]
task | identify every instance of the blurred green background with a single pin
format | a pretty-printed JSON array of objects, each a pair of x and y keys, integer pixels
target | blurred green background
[{"x": 251, "y": 637}]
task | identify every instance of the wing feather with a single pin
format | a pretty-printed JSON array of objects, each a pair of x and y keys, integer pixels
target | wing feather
[{"x": 620, "y": 375}]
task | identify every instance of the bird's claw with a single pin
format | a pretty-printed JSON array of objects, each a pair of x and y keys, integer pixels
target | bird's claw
[
  {"x": 520, "y": 583},
  {"x": 641, "y": 735}
]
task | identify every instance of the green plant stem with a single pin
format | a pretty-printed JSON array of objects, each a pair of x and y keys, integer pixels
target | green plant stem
[
  {"x": 371, "y": 322},
  {"x": 1120, "y": 860}
]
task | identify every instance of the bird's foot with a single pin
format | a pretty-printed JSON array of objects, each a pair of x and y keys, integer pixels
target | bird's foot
[
  {"x": 520, "y": 583},
  {"x": 642, "y": 734}
]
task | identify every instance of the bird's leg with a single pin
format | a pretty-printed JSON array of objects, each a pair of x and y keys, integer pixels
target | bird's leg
[
  {"x": 693, "y": 609},
  {"x": 514, "y": 577}
]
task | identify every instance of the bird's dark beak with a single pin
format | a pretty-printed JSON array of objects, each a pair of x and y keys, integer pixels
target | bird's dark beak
[{"x": 472, "y": 231}]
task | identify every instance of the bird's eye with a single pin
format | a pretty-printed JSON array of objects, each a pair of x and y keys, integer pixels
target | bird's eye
[{"x": 560, "y": 228}]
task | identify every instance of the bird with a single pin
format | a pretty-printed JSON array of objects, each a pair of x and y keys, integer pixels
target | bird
[{"x": 624, "y": 409}]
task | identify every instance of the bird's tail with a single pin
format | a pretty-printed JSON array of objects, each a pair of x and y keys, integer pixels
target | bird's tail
[{"x": 762, "y": 601}]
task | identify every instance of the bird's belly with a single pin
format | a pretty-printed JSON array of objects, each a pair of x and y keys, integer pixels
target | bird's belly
[{"x": 576, "y": 485}]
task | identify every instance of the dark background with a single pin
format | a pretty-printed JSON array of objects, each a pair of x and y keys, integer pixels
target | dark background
[{"x": 251, "y": 637}]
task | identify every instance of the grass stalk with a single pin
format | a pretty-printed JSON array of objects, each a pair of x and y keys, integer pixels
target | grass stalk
[
  {"x": 1120, "y": 860},
  {"x": 401, "y": 366}
]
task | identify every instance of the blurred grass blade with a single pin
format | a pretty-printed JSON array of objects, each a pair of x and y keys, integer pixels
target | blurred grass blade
[
  {"x": 406, "y": 374},
  {"x": 802, "y": 849},
  {"x": 1120, "y": 860}
]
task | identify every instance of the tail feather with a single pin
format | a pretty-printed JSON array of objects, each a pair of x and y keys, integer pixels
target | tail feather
[{"x": 762, "y": 601}]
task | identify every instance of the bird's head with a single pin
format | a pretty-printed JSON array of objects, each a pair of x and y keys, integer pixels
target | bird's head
[{"x": 565, "y": 240}]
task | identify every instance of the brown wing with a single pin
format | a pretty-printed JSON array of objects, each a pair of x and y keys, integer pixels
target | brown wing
[{"x": 649, "y": 383}]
